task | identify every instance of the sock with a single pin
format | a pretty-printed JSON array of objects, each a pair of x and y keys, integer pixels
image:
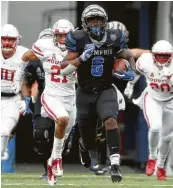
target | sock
[
  {"x": 4, "y": 144},
  {"x": 153, "y": 140},
  {"x": 113, "y": 141},
  {"x": 163, "y": 153},
  {"x": 57, "y": 148}
]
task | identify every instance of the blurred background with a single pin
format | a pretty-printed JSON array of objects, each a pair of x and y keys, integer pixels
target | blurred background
[{"x": 146, "y": 22}]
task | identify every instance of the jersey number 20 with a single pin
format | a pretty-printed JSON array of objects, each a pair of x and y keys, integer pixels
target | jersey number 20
[
  {"x": 54, "y": 77},
  {"x": 97, "y": 66}
]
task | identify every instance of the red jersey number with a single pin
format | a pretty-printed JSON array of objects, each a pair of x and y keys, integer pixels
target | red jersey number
[
  {"x": 7, "y": 74},
  {"x": 54, "y": 75},
  {"x": 162, "y": 87}
]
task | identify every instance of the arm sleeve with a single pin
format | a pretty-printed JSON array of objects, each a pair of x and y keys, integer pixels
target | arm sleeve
[{"x": 70, "y": 42}]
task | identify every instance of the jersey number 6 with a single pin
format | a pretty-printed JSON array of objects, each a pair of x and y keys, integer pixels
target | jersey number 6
[
  {"x": 97, "y": 66},
  {"x": 54, "y": 76}
]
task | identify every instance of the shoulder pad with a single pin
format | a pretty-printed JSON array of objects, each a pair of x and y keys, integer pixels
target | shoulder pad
[{"x": 73, "y": 38}]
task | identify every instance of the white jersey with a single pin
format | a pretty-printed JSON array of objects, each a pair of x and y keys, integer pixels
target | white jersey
[
  {"x": 51, "y": 56},
  {"x": 9, "y": 67},
  {"x": 157, "y": 87}
]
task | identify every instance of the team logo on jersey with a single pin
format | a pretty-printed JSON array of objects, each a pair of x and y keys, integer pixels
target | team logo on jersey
[
  {"x": 152, "y": 74},
  {"x": 113, "y": 37}
]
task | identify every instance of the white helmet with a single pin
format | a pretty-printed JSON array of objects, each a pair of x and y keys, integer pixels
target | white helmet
[
  {"x": 46, "y": 33},
  {"x": 9, "y": 31},
  {"x": 60, "y": 29},
  {"x": 91, "y": 12},
  {"x": 162, "y": 52}
]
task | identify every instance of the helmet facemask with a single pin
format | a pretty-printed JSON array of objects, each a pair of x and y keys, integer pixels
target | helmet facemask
[
  {"x": 59, "y": 40},
  {"x": 8, "y": 45},
  {"x": 95, "y": 26},
  {"x": 162, "y": 59}
]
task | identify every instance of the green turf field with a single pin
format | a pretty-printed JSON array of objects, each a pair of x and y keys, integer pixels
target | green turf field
[{"x": 84, "y": 180}]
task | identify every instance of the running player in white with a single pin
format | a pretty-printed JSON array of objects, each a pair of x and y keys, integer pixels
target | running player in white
[
  {"x": 157, "y": 103},
  {"x": 11, "y": 104},
  {"x": 58, "y": 98}
]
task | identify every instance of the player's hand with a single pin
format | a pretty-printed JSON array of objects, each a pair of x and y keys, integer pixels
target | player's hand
[
  {"x": 28, "y": 101},
  {"x": 87, "y": 53},
  {"x": 22, "y": 107},
  {"x": 128, "y": 92},
  {"x": 165, "y": 73},
  {"x": 16, "y": 87},
  {"x": 125, "y": 75}
]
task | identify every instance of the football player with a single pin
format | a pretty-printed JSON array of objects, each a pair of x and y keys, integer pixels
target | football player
[
  {"x": 11, "y": 61},
  {"x": 157, "y": 103},
  {"x": 58, "y": 98},
  {"x": 93, "y": 51}
]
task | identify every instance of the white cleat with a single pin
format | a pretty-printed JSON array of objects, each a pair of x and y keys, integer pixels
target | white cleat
[
  {"x": 51, "y": 178},
  {"x": 57, "y": 169}
]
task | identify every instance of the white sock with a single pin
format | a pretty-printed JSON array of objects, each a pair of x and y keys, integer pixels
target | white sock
[
  {"x": 57, "y": 148},
  {"x": 4, "y": 144},
  {"x": 163, "y": 153},
  {"x": 153, "y": 139},
  {"x": 115, "y": 159}
]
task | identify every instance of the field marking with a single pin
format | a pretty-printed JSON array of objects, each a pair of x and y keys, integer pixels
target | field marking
[
  {"x": 77, "y": 185},
  {"x": 87, "y": 176}
]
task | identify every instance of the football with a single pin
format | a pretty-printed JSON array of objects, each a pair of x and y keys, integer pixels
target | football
[{"x": 120, "y": 64}]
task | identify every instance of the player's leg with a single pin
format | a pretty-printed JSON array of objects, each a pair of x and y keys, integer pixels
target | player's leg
[
  {"x": 9, "y": 119},
  {"x": 165, "y": 142},
  {"x": 171, "y": 155},
  {"x": 107, "y": 109},
  {"x": 153, "y": 115},
  {"x": 54, "y": 108},
  {"x": 87, "y": 119}
]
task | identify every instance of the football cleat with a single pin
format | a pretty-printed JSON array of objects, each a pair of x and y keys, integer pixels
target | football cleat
[
  {"x": 84, "y": 154},
  {"x": 115, "y": 173},
  {"x": 44, "y": 176},
  {"x": 161, "y": 174},
  {"x": 150, "y": 167},
  {"x": 51, "y": 178},
  {"x": 57, "y": 167}
]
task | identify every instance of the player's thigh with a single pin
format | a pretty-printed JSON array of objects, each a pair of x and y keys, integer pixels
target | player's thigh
[
  {"x": 167, "y": 128},
  {"x": 9, "y": 117},
  {"x": 152, "y": 112},
  {"x": 53, "y": 107},
  {"x": 107, "y": 104}
]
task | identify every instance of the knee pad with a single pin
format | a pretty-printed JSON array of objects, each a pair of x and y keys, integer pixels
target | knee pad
[
  {"x": 167, "y": 138},
  {"x": 43, "y": 140}
]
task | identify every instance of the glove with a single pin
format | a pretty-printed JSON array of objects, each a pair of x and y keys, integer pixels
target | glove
[
  {"x": 28, "y": 100},
  {"x": 125, "y": 75},
  {"x": 129, "y": 90},
  {"x": 88, "y": 52},
  {"x": 165, "y": 73}
]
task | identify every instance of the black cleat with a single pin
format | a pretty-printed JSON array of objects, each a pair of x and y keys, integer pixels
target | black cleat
[
  {"x": 115, "y": 173},
  {"x": 84, "y": 154}
]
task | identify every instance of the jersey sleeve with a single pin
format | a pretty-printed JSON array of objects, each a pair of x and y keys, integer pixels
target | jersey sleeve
[
  {"x": 141, "y": 64},
  {"x": 122, "y": 40},
  {"x": 41, "y": 49}
]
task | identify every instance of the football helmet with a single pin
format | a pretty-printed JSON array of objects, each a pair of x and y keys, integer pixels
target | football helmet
[
  {"x": 94, "y": 21},
  {"x": 60, "y": 29},
  {"x": 9, "y": 38},
  {"x": 162, "y": 52},
  {"x": 120, "y": 26},
  {"x": 46, "y": 33}
]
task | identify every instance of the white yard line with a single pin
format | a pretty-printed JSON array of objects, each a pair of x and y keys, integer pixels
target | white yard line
[{"x": 83, "y": 185}]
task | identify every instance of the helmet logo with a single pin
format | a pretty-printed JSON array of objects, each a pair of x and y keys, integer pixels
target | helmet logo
[{"x": 113, "y": 37}]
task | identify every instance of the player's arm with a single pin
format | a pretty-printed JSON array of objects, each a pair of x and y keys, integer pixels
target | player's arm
[
  {"x": 29, "y": 56},
  {"x": 137, "y": 52},
  {"x": 25, "y": 89},
  {"x": 72, "y": 60}
]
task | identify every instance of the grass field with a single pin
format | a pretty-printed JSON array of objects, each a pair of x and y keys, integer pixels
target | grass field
[{"x": 85, "y": 180}]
